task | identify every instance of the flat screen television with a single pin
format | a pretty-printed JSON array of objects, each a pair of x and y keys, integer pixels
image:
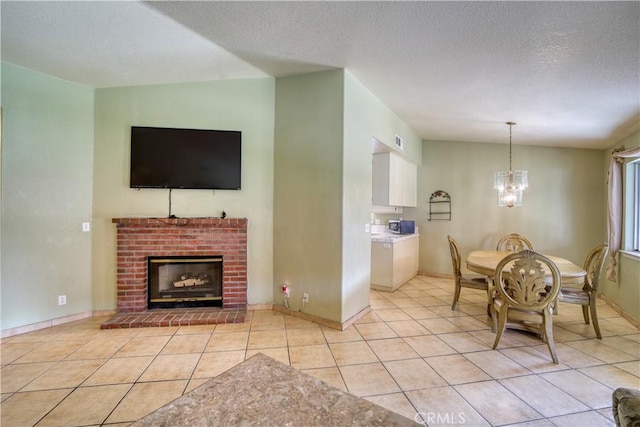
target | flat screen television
[{"x": 185, "y": 158}]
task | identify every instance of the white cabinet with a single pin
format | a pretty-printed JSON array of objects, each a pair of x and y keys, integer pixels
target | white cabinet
[
  {"x": 378, "y": 209},
  {"x": 395, "y": 181},
  {"x": 394, "y": 262},
  {"x": 410, "y": 184}
]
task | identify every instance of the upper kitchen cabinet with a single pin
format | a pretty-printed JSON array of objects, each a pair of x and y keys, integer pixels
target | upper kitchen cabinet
[{"x": 395, "y": 181}]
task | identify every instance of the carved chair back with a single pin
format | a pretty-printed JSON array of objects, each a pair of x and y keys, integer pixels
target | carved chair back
[
  {"x": 526, "y": 284},
  {"x": 513, "y": 243}
]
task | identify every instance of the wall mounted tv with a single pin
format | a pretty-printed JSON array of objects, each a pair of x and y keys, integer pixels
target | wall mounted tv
[{"x": 185, "y": 158}]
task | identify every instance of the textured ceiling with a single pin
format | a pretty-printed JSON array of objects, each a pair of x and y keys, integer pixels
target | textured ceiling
[{"x": 567, "y": 72}]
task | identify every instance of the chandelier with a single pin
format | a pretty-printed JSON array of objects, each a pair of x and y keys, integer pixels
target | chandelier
[{"x": 510, "y": 184}]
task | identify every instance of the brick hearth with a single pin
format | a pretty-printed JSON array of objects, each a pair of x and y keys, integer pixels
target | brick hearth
[
  {"x": 175, "y": 317},
  {"x": 139, "y": 238}
]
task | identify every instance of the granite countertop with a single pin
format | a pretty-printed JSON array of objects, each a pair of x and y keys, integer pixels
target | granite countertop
[
  {"x": 392, "y": 238},
  {"x": 264, "y": 392}
]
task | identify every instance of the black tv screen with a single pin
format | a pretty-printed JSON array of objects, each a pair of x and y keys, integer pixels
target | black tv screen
[{"x": 185, "y": 158}]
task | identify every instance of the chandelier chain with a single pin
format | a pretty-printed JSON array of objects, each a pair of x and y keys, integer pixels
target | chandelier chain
[{"x": 510, "y": 126}]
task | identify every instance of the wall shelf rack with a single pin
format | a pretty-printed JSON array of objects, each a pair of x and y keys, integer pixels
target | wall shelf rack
[{"x": 440, "y": 206}]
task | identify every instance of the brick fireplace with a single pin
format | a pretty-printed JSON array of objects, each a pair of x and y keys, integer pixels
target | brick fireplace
[{"x": 140, "y": 238}]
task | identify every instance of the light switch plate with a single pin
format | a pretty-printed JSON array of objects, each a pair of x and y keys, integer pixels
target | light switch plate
[
  {"x": 86, "y": 227},
  {"x": 367, "y": 228}
]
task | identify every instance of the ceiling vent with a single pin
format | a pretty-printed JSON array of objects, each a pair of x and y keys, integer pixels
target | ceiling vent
[{"x": 399, "y": 142}]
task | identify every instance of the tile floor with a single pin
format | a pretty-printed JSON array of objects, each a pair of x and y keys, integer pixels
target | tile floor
[{"x": 411, "y": 354}]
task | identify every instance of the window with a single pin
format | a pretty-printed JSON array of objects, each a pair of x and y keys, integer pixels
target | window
[
  {"x": 633, "y": 206},
  {"x": 623, "y": 205}
]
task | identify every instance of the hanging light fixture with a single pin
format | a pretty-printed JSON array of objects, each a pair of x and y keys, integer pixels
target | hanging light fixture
[{"x": 510, "y": 184}]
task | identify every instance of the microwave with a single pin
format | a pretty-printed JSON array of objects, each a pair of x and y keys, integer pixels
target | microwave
[{"x": 401, "y": 226}]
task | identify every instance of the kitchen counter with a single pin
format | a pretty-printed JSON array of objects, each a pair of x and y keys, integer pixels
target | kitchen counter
[
  {"x": 394, "y": 260},
  {"x": 262, "y": 391},
  {"x": 392, "y": 238}
]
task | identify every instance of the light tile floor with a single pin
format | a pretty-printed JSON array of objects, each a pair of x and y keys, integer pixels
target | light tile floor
[{"x": 412, "y": 354}]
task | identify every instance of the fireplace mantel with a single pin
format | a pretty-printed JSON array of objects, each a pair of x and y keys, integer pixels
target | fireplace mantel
[{"x": 140, "y": 238}]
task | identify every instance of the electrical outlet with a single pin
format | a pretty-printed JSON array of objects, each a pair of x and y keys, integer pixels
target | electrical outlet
[
  {"x": 305, "y": 297},
  {"x": 62, "y": 299}
]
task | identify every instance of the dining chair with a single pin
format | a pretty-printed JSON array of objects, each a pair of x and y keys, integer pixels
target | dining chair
[
  {"x": 513, "y": 243},
  {"x": 526, "y": 296},
  {"x": 587, "y": 295},
  {"x": 462, "y": 281}
]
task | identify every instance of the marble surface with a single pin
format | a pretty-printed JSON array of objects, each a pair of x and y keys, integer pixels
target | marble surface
[{"x": 264, "y": 392}]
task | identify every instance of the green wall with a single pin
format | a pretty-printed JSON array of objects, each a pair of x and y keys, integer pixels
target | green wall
[
  {"x": 245, "y": 105},
  {"x": 307, "y": 241},
  {"x": 306, "y": 189},
  {"x": 325, "y": 123},
  {"x": 563, "y": 212},
  {"x": 365, "y": 117},
  {"x": 321, "y": 197},
  {"x": 47, "y": 150}
]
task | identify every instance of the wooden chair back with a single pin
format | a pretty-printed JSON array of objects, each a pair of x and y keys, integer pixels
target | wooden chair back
[
  {"x": 525, "y": 285},
  {"x": 513, "y": 243},
  {"x": 593, "y": 265}
]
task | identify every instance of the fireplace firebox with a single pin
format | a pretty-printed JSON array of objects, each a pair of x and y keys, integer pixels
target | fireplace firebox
[{"x": 184, "y": 281}]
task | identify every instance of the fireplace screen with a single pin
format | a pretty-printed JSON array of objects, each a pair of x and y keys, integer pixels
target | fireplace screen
[{"x": 184, "y": 281}]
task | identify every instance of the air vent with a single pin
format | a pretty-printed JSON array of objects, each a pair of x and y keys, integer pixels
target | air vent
[{"x": 399, "y": 142}]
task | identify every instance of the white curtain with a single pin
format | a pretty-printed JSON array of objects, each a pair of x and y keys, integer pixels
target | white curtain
[{"x": 615, "y": 207}]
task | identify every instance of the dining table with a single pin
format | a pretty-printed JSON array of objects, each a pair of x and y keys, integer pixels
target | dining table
[{"x": 485, "y": 263}]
